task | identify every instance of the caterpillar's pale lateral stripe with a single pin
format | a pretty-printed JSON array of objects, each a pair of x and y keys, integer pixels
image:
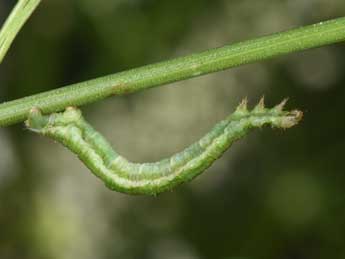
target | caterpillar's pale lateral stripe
[{"x": 70, "y": 129}]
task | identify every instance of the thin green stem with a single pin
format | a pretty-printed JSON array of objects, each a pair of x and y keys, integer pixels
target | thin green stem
[
  {"x": 266, "y": 47},
  {"x": 14, "y": 23}
]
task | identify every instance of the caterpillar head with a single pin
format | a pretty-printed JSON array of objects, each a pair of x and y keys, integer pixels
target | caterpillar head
[
  {"x": 290, "y": 119},
  {"x": 286, "y": 119},
  {"x": 260, "y": 115}
]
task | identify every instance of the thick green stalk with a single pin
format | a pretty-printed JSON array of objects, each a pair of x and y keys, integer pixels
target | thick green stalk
[
  {"x": 14, "y": 23},
  {"x": 266, "y": 47}
]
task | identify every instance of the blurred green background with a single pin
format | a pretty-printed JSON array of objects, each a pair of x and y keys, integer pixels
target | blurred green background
[{"x": 275, "y": 194}]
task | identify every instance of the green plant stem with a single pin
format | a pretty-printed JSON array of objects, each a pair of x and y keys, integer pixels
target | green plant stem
[
  {"x": 14, "y": 23},
  {"x": 266, "y": 47}
]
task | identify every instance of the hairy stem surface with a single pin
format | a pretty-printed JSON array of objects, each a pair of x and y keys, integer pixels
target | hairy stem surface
[{"x": 194, "y": 65}]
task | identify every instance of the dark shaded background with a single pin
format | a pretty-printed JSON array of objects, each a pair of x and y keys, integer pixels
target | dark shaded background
[{"x": 273, "y": 195}]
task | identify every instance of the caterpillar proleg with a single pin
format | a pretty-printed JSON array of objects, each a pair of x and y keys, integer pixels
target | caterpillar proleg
[{"x": 71, "y": 129}]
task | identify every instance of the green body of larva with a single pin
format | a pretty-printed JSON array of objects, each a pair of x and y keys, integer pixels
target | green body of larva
[{"x": 70, "y": 129}]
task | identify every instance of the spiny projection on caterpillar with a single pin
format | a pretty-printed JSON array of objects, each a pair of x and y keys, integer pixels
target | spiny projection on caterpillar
[{"x": 71, "y": 129}]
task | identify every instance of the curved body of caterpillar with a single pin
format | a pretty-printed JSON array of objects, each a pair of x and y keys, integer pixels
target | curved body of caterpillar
[{"x": 70, "y": 129}]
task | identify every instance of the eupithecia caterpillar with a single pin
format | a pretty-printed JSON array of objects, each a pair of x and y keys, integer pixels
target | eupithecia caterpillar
[{"x": 71, "y": 129}]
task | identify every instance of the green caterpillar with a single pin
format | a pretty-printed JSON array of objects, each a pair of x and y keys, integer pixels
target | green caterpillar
[{"x": 70, "y": 129}]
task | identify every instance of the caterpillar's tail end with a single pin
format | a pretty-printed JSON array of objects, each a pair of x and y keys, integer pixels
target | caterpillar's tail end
[{"x": 36, "y": 121}]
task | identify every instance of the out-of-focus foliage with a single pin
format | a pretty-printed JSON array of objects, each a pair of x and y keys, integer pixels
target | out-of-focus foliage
[{"x": 273, "y": 195}]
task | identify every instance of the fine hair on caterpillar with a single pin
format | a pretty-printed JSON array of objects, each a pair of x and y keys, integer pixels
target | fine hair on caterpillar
[{"x": 70, "y": 129}]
